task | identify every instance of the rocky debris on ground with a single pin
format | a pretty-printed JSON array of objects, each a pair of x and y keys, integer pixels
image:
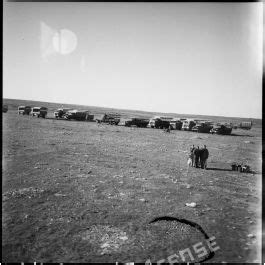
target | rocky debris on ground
[
  {"x": 109, "y": 239},
  {"x": 25, "y": 192}
]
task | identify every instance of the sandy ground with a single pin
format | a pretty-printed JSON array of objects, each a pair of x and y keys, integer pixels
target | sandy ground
[{"x": 82, "y": 192}]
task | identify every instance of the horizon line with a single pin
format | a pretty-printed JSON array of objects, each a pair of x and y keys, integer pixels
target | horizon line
[{"x": 136, "y": 109}]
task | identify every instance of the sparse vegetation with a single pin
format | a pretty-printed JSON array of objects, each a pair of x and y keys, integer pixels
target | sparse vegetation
[{"x": 82, "y": 192}]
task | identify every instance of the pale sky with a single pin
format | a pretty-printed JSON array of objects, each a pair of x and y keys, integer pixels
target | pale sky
[{"x": 187, "y": 58}]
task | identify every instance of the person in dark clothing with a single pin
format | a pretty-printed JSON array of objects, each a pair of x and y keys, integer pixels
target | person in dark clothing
[
  {"x": 197, "y": 152},
  {"x": 204, "y": 157},
  {"x": 192, "y": 156}
]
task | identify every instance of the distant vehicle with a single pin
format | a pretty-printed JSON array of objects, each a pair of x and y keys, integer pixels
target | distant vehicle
[
  {"x": 79, "y": 115},
  {"x": 202, "y": 127},
  {"x": 138, "y": 122},
  {"x": 176, "y": 124},
  {"x": 245, "y": 125},
  {"x": 39, "y": 112},
  {"x": 5, "y": 108},
  {"x": 24, "y": 110},
  {"x": 224, "y": 129},
  {"x": 188, "y": 124},
  {"x": 159, "y": 122},
  {"x": 60, "y": 112},
  {"x": 110, "y": 118}
]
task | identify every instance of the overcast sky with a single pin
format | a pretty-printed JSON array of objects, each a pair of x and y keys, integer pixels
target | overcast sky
[{"x": 188, "y": 58}]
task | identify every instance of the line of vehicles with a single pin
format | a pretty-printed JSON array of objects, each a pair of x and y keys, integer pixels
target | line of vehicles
[
  {"x": 158, "y": 122},
  {"x": 33, "y": 111}
]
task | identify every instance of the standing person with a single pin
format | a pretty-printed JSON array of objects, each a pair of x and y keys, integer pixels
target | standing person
[
  {"x": 204, "y": 157},
  {"x": 197, "y": 156},
  {"x": 192, "y": 155}
]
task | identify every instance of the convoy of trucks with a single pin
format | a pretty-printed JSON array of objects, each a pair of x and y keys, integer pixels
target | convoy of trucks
[{"x": 161, "y": 122}]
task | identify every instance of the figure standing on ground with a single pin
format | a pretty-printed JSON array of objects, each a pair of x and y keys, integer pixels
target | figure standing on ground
[
  {"x": 204, "y": 157},
  {"x": 197, "y": 156},
  {"x": 192, "y": 155}
]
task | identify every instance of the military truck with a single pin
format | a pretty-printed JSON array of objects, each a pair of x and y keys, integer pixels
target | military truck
[
  {"x": 202, "y": 127},
  {"x": 39, "y": 112},
  {"x": 188, "y": 124},
  {"x": 220, "y": 128},
  {"x": 159, "y": 122},
  {"x": 79, "y": 115},
  {"x": 176, "y": 124},
  {"x": 59, "y": 113},
  {"x": 5, "y": 108},
  {"x": 24, "y": 110},
  {"x": 138, "y": 122},
  {"x": 245, "y": 125},
  {"x": 109, "y": 118}
]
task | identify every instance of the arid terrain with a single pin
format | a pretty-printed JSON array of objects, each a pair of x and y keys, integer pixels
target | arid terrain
[{"x": 76, "y": 191}]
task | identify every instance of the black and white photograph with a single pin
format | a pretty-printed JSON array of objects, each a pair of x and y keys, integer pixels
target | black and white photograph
[{"x": 132, "y": 132}]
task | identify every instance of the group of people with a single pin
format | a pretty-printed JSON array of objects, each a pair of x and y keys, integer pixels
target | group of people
[{"x": 198, "y": 157}]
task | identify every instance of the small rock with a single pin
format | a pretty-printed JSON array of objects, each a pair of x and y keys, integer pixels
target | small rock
[
  {"x": 142, "y": 200},
  {"x": 208, "y": 209},
  {"x": 234, "y": 227},
  {"x": 89, "y": 172},
  {"x": 251, "y": 222},
  {"x": 59, "y": 194},
  {"x": 192, "y": 204},
  {"x": 188, "y": 186},
  {"x": 251, "y": 236}
]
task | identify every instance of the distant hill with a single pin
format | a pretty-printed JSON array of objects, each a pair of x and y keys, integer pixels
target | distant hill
[{"x": 125, "y": 114}]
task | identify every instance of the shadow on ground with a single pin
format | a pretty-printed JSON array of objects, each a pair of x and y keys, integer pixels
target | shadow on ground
[
  {"x": 219, "y": 169},
  {"x": 242, "y": 135},
  {"x": 226, "y": 169}
]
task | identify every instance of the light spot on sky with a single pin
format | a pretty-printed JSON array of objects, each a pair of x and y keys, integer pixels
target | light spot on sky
[
  {"x": 46, "y": 35},
  {"x": 64, "y": 41}
]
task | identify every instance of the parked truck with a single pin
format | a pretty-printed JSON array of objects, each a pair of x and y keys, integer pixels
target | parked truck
[
  {"x": 220, "y": 128},
  {"x": 79, "y": 115},
  {"x": 39, "y": 112},
  {"x": 24, "y": 110},
  {"x": 138, "y": 122},
  {"x": 59, "y": 113},
  {"x": 188, "y": 124},
  {"x": 245, "y": 125},
  {"x": 176, "y": 124},
  {"x": 110, "y": 118},
  {"x": 159, "y": 122},
  {"x": 202, "y": 127}
]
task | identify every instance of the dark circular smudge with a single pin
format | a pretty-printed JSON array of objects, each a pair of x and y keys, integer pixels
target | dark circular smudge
[{"x": 187, "y": 222}]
